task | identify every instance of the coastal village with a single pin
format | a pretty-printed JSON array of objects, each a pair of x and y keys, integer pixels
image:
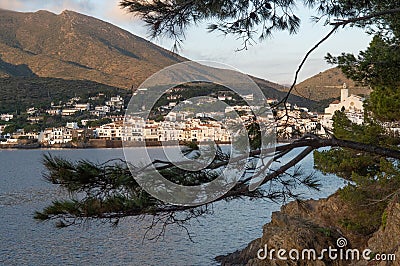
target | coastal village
[
  {"x": 182, "y": 126},
  {"x": 128, "y": 135}
]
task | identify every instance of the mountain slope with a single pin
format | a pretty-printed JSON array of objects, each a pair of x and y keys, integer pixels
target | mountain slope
[
  {"x": 273, "y": 90},
  {"x": 20, "y": 93},
  {"x": 327, "y": 85},
  {"x": 75, "y": 46}
]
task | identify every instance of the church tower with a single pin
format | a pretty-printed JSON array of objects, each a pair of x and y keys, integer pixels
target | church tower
[{"x": 344, "y": 93}]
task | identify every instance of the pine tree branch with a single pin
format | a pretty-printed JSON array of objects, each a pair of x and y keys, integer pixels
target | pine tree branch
[{"x": 364, "y": 18}]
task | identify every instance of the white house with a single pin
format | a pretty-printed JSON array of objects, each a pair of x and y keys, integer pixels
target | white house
[
  {"x": 68, "y": 112},
  {"x": 249, "y": 97},
  {"x": 53, "y": 112},
  {"x": 60, "y": 135},
  {"x": 352, "y": 105},
  {"x": 133, "y": 129},
  {"x": 272, "y": 101},
  {"x": 31, "y": 111},
  {"x": 169, "y": 131},
  {"x": 72, "y": 125},
  {"x": 112, "y": 131},
  {"x": 150, "y": 132},
  {"x": 104, "y": 109},
  {"x": 116, "y": 102},
  {"x": 82, "y": 106},
  {"x": 6, "y": 117}
]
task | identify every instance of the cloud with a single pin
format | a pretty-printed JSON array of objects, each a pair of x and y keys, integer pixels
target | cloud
[
  {"x": 12, "y": 4},
  {"x": 76, "y": 5},
  {"x": 54, "y": 6},
  {"x": 114, "y": 13},
  {"x": 106, "y": 10}
]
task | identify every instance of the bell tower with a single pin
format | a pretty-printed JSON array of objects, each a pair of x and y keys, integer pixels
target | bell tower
[{"x": 344, "y": 93}]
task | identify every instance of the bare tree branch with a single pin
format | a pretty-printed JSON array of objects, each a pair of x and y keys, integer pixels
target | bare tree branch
[
  {"x": 339, "y": 23},
  {"x": 285, "y": 99}
]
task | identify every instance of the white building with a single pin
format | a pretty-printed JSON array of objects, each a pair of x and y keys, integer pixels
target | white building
[
  {"x": 116, "y": 102},
  {"x": 169, "y": 131},
  {"x": 104, "y": 109},
  {"x": 6, "y": 117},
  {"x": 82, "y": 106},
  {"x": 72, "y": 125},
  {"x": 136, "y": 129},
  {"x": 352, "y": 105},
  {"x": 53, "y": 112},
  {"x": 186, "y": 102},
  {"x": 97, "y": 113},
  {"x": 150, "y": 132},
  {"x": 244, "y": 108},
  {"x": 249, "y": 97},
  {"x": 195, "y": 130},
  {"x": 21, "y": 134},
  {"x": 133, "y": 129},
  {"x": 68, "y": 112},
  {"x": 10, "y": 141},
  {"x": 272, "y": 101},
  {"x": 326, "y": 121},
  {"x": 224, "y": 97},
  {"x": 60, "y": 135},
  {"x": 84, "y": 122},
  {"x": 31, "y": 111},
  {"x": 112, "y": 131},
  {"x": 35, "y": 119}
]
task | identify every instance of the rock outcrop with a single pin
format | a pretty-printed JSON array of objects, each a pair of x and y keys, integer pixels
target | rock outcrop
[{"x": 316, "y": 225}]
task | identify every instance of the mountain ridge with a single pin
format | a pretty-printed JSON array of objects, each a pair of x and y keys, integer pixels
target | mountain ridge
[
  {"x": 327, "y": 85},
  {"x": 73, "y": 46}
]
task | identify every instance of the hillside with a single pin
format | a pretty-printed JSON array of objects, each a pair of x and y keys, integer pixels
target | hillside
[
  {"x": 326, "y": 85},
  {"x": 72, "y": 46},
  {"x": 18, "y": 94},
  {"x": 75, "y": 46},
  {"x": 273, "y": 90}
]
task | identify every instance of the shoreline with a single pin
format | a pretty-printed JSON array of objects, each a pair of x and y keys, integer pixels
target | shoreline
[
  {"x": 102, "y": 144},
  {"x": 96, "y": 144}
]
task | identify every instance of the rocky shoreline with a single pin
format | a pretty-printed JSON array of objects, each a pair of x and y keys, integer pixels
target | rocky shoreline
[{"x": 316, "y": 224}]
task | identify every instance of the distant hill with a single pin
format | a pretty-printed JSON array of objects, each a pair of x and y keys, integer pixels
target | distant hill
[
  {"x": 327, "y": 85},
  {"x": 19, "y": 93},
  {"x": 73, "y": 46},
  {"x": 274, "y": 90}
]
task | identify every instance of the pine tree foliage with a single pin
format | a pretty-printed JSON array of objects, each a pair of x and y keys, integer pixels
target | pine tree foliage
[
  {"x": 375, "y": 180},
  {"x": 109, "y": 192},
  {"x": 250, "y": 19}
]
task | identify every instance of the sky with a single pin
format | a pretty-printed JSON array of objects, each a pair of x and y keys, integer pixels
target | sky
[{"x": 274, "y": 59}]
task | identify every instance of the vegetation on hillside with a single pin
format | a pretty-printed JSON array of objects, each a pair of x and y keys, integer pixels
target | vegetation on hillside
[
  {"x": 18, "y": 94},
  {"x": 375, "y": 180},
  {"x": 75, "y": 46},
  {"x": 116, "y": 57},
  {"x": 326, "y": 85}
]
